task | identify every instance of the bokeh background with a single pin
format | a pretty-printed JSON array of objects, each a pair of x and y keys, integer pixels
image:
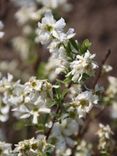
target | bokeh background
[
  {"x": 92, "y": 19},
  {"x": 95, "y": 20}
]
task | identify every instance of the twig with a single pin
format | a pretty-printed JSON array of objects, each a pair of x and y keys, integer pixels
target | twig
[
  {"x": 36, "y": 64},
  {"x": 84, "y": 129},
  {"x": 53, "y": 121},
  {"x": 101, "y": 67},
  {"x": 3, "y": 8}
]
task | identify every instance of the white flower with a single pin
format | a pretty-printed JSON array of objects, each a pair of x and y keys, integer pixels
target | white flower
[
  {"x": 1, "y": 27},
  {"x": 114, "y": 110},
  {"x": 27, "y": 100},
  {"x": 57, "y": 64},
  {"x": 48, "y": 28},
  {"x": 62, "y": 133},
  {"x": 6, "y": 66},
  {"x": 5, "y": 149},
  {"x": 107, "y": 68},
  {"x": 5, "y": 83},
  {"x": 50, "y": 67},
  {"x": 60, "y": 39},
  {"x": 40, "y": 86},
  {"x": 75, "y": 89},
  {"x": 62, "y": 61},
  {"x": 4, "y": 111},
  {"x": 22, "y": 46},
  {"x": 33, "y": 147},
  {"x": 53, "y": 4},
  {"x": 25, "y": 14},
  {"x": 84, "y": 103},
  {"x": 31, "y": 99},
  {"x": 82, "y": 64},
  {"x": 33, "y": 106},
  {"x": 104, "y": 133},
  {"x": 65, "y": 152},
  {"x": 112, "y": 89},
  {"x": 34, "y": 112},
  {"x": 83, "y": 149}
]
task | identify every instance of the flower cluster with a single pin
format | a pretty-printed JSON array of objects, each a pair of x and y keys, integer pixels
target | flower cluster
[
  {"x": 36, "y": 97},
  {"x": 84, "y": 149},
  {"x": 83, "y": 103},
  {"x": 27, "y": 17},
  {"x": 111, "y": 95},
  {"x": 33, "y": 147},
  {"x": 29, "y": 99},
  {"x": 104, "y": 134},
  {"x": 60, "y": 110},
  {"x": 82, "y": 64},
  {"x": 62, "y": 134},
  {"x": 5, "y": 149},
  {"x": 62, "y": 47}
]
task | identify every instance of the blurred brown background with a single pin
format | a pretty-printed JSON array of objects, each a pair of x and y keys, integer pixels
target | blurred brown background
[{"x": 92, "y": 19}]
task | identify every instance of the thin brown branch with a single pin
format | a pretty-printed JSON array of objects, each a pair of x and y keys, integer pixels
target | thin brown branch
[
  {"x": 101, "y": 67},
  {"x": 3, "y": 8},
  {"x": 85, "y": 128},
  {"x": 53, "y": 121}
]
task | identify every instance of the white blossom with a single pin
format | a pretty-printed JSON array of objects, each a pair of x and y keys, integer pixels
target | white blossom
[
  {"x": 114, "y": 110},
  {"x": 82, "y": 64},
  {"x": 107, "y": 68},
  {"x": 62, "y": 132},
  {"x": 112, "y": 89},
  {"x": 53, "y": 4},
  {"x": 83, "y": 149},
  {"x": 104, "y": 133},
  {"x": 1, "y": 27},
  {"x": 28, "y": 100},
  {"x": 5, "y": 149},
  {"x": 33, "y": 147},
  {"x": 24, "y": 14},
  {"x": 48, "y": 28},
  {"x": 5, "y": 83},
  {"x": 61, "y": 38},
  {"x": 83, "y": 103}
]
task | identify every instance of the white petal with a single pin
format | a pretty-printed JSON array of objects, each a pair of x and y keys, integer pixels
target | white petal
[
  {"x": 1, "y": 34},
  {"x": 35, "y": 118},
  {"x": 44, "y": 110},
  {"x": 60, "y": 24},
  {"x": 25, "y": 116}
]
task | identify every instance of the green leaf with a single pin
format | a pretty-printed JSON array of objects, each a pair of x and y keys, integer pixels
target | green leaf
[
  {"x": 68, "y": 50},
  {"x": 41, "y": 71},
  {"x": 85, "y": 76},
  {"x": 74, "y": 43},
  {"x": 84, "y": 46}
]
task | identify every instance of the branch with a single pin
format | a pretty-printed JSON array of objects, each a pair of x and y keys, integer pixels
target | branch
[
  {"x": 101, "y": 67},
  {"x": 53, "y": 121}
]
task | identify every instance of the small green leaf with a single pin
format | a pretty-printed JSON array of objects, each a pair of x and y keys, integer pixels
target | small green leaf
[
  {"x": 74, "y": 43},
  {"x": 85, "y": 76},
  {"x": 41, "y": 71},
  {"x": 84, "y": 46}
]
